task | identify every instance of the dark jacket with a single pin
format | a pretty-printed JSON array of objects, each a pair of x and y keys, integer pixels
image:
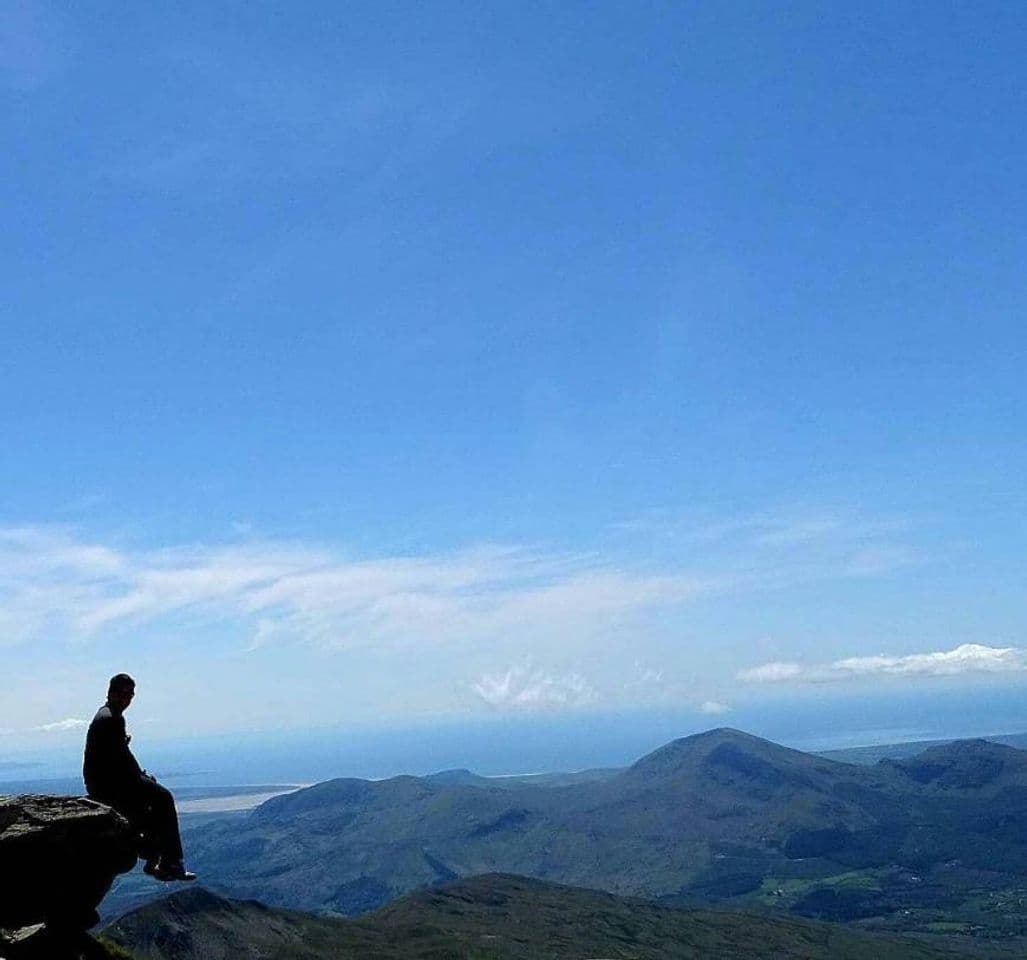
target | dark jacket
[{"x": 109, "y": 769}]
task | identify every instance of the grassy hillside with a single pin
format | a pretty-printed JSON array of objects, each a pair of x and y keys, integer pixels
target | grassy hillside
[{"x": 492, "y": 918}]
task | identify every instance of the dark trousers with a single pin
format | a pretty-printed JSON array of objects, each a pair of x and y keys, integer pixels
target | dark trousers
[{"x": 150, "y": 808}]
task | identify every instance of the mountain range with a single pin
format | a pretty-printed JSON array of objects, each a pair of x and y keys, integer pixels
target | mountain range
[{"x": 723, "y": 816}]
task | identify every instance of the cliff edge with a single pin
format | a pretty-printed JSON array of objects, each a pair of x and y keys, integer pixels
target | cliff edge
[{"x": 58, "y": 858}]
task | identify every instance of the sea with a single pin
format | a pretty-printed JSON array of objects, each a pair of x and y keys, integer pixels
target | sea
[{"x": 226, "y": 772}]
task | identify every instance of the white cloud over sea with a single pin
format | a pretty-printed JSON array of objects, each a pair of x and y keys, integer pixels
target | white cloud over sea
[
  {"x": 713, "y": 708},
  {"x": 968, "y": 658},
  {"x": 528, "y": 688},
  {"x": 61, "y": 726}
]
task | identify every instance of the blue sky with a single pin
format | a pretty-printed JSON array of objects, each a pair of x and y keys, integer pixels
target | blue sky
[{"x": 372, "y": 362}]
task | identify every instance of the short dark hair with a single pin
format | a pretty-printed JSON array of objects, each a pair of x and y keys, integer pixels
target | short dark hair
[{"x": 120, "y": 681}]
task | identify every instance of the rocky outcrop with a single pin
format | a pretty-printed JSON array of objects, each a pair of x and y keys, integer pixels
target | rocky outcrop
[{"x": 58, "y": 858}]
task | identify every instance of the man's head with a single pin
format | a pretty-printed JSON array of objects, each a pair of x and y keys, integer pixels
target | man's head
[{"x": 120, "y": 691}]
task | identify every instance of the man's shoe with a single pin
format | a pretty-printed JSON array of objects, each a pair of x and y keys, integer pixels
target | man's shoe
[
  {"x": 172, "y": 872},
  {"x": 151, "y": 867}
]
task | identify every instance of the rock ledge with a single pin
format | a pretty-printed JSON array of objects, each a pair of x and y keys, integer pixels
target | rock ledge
[{"x": 58, "y": 858}]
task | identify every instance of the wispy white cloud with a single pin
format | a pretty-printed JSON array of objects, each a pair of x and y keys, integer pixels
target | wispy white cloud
[
  {"x": 771, "y": 672},
  {"x": 59, "y": 726},
  {"x": 57, "y": 585},
  {"x": 873, "y": 561},
  {"x": 969, "y": 658},
  {"x": 56, "y": 727},
  {"x": 644, "y": 677},
  {"x": 527, "y": 688},
  {"x": 774, "y": 550},
  {"x": 713, "y": 707},
  {"x": 784, "y": 532}
]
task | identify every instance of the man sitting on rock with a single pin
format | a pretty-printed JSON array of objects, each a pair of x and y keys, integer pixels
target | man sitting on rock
[{"x": 114, "y": 778}]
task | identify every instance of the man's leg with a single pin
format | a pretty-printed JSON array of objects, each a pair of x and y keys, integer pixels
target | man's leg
[
  {"x": 132, "y": 805},
  {"x": 162, "y": 821}
]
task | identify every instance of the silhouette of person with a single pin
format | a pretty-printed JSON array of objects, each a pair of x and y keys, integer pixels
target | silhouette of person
[{"x": 113, "y": 777}]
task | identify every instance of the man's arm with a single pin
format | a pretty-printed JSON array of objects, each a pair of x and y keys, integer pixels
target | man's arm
[{"x": 127, "y": 758}]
